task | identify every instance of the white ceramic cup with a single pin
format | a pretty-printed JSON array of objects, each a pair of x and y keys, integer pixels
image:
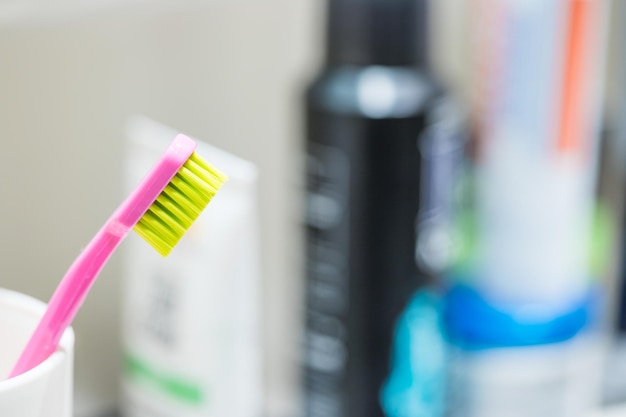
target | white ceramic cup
[{"x": 47, "y": 389}]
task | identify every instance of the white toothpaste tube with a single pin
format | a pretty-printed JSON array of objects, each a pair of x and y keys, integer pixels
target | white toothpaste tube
[{"x": 191, "y": 321}]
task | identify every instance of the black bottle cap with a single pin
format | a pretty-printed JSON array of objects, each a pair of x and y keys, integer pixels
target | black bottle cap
[{"x": 377, "y": 32}]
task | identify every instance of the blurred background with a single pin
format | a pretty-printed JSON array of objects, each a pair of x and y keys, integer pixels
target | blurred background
[{"x": 438, "y": 195}]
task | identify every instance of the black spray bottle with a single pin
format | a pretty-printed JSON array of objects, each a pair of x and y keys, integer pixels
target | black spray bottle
[{"x": 383, "y": 148}]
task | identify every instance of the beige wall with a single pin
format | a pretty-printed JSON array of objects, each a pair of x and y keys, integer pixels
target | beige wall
[{"x": 228, "y": 72}]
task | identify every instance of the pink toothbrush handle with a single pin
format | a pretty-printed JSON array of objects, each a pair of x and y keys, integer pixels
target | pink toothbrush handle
[{"x": 69, "y": 296}]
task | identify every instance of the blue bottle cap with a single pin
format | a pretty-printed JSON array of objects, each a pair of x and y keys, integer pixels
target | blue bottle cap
[{"x": 473, "y": 323}]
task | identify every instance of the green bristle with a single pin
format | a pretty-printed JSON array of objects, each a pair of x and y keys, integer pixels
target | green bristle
[{"x": 180, "y": 203}]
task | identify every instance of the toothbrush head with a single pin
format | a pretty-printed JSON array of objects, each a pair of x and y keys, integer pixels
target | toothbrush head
[{"x": 179, "y": 204}]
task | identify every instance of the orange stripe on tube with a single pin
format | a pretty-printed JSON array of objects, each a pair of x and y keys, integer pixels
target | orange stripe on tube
[{"x": 571, "y": 123}]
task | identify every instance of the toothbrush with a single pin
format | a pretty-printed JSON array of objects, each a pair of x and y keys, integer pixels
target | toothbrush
[{"x": 160, "y": 210}]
